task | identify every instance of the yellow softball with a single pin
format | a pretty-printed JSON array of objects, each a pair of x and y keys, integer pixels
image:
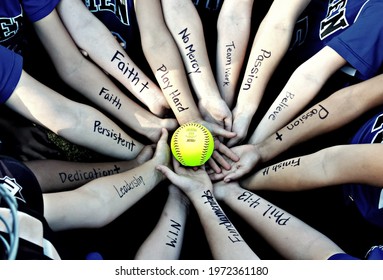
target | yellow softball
[{"x": 192, "y": 144}]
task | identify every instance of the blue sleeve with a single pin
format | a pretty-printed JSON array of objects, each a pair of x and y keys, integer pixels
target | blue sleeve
[
  {"x": 342, "y": 256},
  {"x": 11, "y": 65},
  {"x": 38, "y": 9},
  {"x": 361, "y": 44}
]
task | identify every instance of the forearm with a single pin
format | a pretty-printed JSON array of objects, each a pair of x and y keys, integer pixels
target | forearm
[
  {"x": 163, "y": 57},
  {"x": 78, "y": 123},
  {"x": 288, "y": 235},
  {"x": 165, "y": 241},
  {"x": 270, "y": 44},
  {"x": 100, "y": 201},
  {"x": 65, "y": 175},
  {"x": 301, "y": 88},
  {"x": 224, "y": 240},
  {"x": 184, "y": 24},
  {"x": 88, "y": 33},
  {"x": 89, "y": 80},
  {"x": 337, "y": 110},
  {"x": 268, "y": 48},
  {"x": 233, "y": 28},
  {"x": 328, "y": 167},
  {"x": 101, "y": 91}
]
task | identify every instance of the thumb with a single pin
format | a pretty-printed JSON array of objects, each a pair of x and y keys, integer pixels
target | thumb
[{"x": 170, "y": 174}]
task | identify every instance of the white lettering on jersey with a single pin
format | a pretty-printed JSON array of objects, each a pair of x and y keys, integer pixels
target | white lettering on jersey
[
  {"x": 14, "y": 188},
  {"x": 335, "y": 18},
  {"x": 9, "y": 27},
  {"x": 118, "y": 7}
]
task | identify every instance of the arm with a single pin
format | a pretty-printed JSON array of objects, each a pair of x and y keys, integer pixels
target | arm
[
  {"x": 89, "y": 33},
  {"x": 338, "y": 109},
  {"x": 185, "y": 26},
  {"x": 165, "y": 61},
  {"x": 100, "y": 201},
  {"x": 359, "y": 163},
  {"x": 65, "y": 175},
  {"x": 301, "y": 88},
  {"x": 233, "y": 26},
  {"x": 93, "y": 83},
  {"x": 165, "y": 241},
  {"x": 291, "y": 237},
  {"x": 268, "y": 48},
  {"x": 78, "y": 123},
  {"x": 224, "y": 240}
]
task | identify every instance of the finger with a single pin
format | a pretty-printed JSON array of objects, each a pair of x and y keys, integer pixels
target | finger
[
  {"x": 238, "y": 173},
  {"x": 168, "y": 173},
  {"x": 233, "y": 142},
  {"x": 213, "y": 165},
  {"x": 223, "y": 149},
  {"x": 220, "y": 131},
  {"x": 216, "y": 176},
  {"x": 228, "y": 124},
  {"x": 162, "y": 141},
  {"x": 221, "y": 161},
  {"x": 164, "y": 135}
]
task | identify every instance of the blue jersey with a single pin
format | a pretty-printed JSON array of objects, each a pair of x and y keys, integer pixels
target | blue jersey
[
  {"x": 353, "y": 28},
  {"x": 119, "y": 17},
  {"x": 23, "y": 185},
  {"x": 375, "y": 253},
  {"x": 11, "y": 65},
  {"x": 13, "y": 14},
  {"x": 368, "y": 199},
  {"x": 12, "y": 18}
]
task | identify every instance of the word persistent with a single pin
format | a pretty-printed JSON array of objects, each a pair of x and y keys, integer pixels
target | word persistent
[{"x": 113, "y": 135}]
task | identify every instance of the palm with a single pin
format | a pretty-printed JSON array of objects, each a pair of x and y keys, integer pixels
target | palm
[{"x": 248, "y": 159}]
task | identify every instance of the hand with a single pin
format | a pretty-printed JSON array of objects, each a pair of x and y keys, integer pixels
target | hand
[
  {"x": 188, "y": 179},
  {"x": 162, "y": 152},
  {"x": 215, "y": 110},
  {"x": 221, "y": 152},
  {"x": 241, "y": 126},
  {"x": 249, "y": 158}
]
